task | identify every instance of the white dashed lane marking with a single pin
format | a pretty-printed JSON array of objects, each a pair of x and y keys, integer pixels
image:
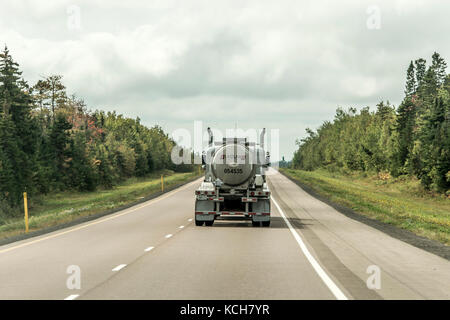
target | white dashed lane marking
[
  {"x": 169, "y": 235},
  {"x": 120, "y": 266},
  {"x": 72, "y": 297},
  {"x": 149, "y": 249}
]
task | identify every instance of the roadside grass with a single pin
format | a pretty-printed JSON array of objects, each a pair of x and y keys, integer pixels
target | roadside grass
[
  {"x": 57, "y": 208},
  {"x": 397, "y": 201}
]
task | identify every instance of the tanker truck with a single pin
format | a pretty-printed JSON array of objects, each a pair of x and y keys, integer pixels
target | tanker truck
[{"x": 235, "y": 182}]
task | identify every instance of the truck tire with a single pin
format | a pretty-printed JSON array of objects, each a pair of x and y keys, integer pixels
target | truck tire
[
  {"x": 209, "y": 223},
  {"x": 266, "y": 223},
  {"x": 199, "y": 223},
  {"x": 255, "y": 223}
]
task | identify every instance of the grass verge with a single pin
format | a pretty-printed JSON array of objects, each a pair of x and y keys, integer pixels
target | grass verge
[
  {"x": 401, "y": 202},
  {"x": 59, "y": 208}
]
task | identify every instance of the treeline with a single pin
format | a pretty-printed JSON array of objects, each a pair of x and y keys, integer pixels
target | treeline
[
  {"x": 413, "y": 139},
  {"x": 49, "y": 141}
]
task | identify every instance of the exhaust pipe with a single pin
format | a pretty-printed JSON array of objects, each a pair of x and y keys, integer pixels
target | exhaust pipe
[
  {"x": 261, "y": 138},
  {"x": 211, "y": 138}
]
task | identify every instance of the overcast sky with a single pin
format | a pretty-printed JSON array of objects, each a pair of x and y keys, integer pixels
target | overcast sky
[{"x": 281, "y": 64}]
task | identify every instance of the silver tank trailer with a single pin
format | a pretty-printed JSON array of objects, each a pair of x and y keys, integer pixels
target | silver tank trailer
[{"x": 235, "y": 182}]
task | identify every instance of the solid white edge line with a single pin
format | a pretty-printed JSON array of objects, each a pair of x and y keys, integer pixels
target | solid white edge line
[
  {"x": 120, "y": 266},
  {"x": 168, "y": 235},
  {"x": 322, "y": 274},
  {"x": 72, "y": 297},
  {"x": 149, "y": 249}
]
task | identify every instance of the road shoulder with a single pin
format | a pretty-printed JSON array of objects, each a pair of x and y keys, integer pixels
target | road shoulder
[
  {"x": 409, "y": 237},
  {"x": 404, "y": 271}
]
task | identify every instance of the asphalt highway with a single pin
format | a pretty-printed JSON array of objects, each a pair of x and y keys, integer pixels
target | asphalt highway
[{"x": 154, "y": 251}]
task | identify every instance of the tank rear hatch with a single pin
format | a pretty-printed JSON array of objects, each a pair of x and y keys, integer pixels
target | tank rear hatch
[{"x": 232, "y": 164}]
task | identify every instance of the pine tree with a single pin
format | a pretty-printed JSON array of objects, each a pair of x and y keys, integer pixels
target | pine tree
[
  {"x": 429, "y": 88},
  {"x": 81, "y": 172},
  {"x": 446, "y": 85},
  {"x": 438, "y": 65},
  {"x": 10, "y": 188},
  {"x": 17, "y": 103},
  {"x": 105, "y": 171},
  {"x": 410, "y": 87},
  {"x": 434, "y": 148},
  {"x": 441, "y": 173},
  {"x": 9, "y": 76},
  {"x": 420, "y": 70},
  {"x": 406, "y": 114},
  {"x": 49, "y": 142},
  {"x": 51, "y": 93},
  {"x": 59, "y": 150}
]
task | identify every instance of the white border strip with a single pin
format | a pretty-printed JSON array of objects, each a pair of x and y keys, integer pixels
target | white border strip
[{"x": 322, "y": 274}]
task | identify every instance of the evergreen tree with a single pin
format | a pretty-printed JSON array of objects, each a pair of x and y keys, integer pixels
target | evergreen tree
[
  {"x": 420, "y": 70},
  {"x": 410, "y": 88},
  {"x": 50, "y": 142},
  {"x": 60, "y": 152},
  {"x": 105, "y": 171},
  {"x": 438, "y": 65},
  {"x": 51, "y": 93},
  {"x": 446, "y": 85},
  {"x": 434, "y": 148},
  {"x": 9, "y": 77},
  {"x": 427, "y": 91},
  {"x": 81, "y": 171},
  {"x": 406, "y": 114},
  {"x": 17, "y": 102},
  {"x": 10, "y": 188}
]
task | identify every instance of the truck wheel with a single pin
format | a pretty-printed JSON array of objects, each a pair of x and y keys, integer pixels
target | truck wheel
[
  {"x": 255, "y": 223},
  {"x": 209, "y": 223},
  {"x": 199, "y": 223},
  {"x": 266, "y": 223}
]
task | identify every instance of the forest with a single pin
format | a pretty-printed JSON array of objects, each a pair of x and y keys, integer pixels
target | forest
[
  {"x": 412, "y": 139},
  {"x": 50, "y": 141}
]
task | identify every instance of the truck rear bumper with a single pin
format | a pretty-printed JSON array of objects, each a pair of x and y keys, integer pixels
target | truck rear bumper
[{"x": 211, "y": 215}]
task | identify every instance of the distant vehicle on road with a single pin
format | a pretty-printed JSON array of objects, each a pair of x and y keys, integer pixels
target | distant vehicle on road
[{"x": 235, "y": 182}]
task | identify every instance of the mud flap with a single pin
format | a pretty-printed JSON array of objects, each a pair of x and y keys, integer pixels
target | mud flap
[
  {"x": 205, "y": 206},
  {"x": 262, "y": 206}
]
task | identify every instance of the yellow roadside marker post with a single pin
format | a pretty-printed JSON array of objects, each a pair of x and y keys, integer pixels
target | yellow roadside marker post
[
  {"x": 25, "y": 206},
  {"x": 162, "y": 183}
]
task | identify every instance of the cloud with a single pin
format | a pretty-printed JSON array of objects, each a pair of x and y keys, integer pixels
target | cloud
[{"x": 285, "y": 64}]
